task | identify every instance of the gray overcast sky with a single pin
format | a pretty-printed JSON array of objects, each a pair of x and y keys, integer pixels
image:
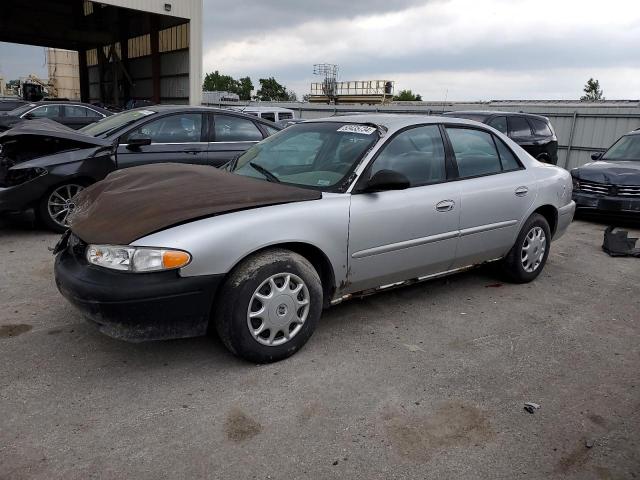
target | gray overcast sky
[{"x": 459, "y": 49}]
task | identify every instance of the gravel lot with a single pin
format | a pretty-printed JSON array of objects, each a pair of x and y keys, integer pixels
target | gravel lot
[{"x": 422, "y": 382}]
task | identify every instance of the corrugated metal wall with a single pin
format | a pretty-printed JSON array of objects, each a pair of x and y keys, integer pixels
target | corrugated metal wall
[{"x": 581, "y": 128}]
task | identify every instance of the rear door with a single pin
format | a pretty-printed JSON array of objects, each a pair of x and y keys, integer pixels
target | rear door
[
  {"x": 78, "y": 116},
  {"x": 231, "y": 135},
  {"x": 177, "y": 137},
  {"x": 404, "y": 234},
  {"x": 496, "y": 193}
]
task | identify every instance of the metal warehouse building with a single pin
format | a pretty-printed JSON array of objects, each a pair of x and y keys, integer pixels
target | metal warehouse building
[{"x": 128, "y": 49}]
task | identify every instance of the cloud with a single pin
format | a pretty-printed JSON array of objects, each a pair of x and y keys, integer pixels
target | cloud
[{"x": 495, "y": 42}]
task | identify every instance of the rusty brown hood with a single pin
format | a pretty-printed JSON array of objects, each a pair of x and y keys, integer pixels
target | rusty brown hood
[{"x": 132, "y": 203}]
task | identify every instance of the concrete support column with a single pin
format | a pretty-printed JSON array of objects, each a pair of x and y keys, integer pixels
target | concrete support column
[{"x": 155, "y": 59}]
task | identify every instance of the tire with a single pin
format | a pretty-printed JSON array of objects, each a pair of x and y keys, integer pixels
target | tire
[
  {"x": 237, "y": 314},
  {"x": 59, "y": 195},
  {"x": 521, "y": 269}
]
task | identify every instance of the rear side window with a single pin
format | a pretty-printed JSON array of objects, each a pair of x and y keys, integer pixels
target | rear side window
[
  {"x": 509, "y": 161},
  {"x": 499, "y": 123},
  {"x": 285, "y": 116},
  {"x": 540, "y": 128},
  {"x": 77, "y": 111},
  {"x": 417, "y": 153},
  {"x": 235, "y": 129},
  {"x": 518, "y": 127},
  {"x": 269, "y": 116},
  {"x": 475, "y": 152}
]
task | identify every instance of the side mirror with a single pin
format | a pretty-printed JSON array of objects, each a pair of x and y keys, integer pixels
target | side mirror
[
  {"x": 386, "y": 180},
  {"x": 138, "y": 140},
  {"x": 596, "y": 156}
]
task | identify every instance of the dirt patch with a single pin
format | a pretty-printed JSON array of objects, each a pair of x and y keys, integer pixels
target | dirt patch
[
  {"x": 240, "y": 427},
  {"x": 9, "y": 331},
  {"x": 574, "y": 459},
  {"x": 453, "y": 424},
  {"x": 55, "y": 331},
  {"x": 597, "y": 419}
]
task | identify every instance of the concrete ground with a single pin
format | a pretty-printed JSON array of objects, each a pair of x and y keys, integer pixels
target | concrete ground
[{"x": 422, "y": 382}]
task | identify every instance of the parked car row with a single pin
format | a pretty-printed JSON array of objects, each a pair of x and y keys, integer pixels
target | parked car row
[
  {"x": 44, "y": 165},
  {"x": 74, "y": 115}
]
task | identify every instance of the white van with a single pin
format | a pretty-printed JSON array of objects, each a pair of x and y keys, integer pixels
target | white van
[{"x": 273, "y": 114}]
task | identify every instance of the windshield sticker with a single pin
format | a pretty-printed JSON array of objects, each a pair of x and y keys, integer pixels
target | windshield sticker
[
  {"x": 146, "y": 112},
  {"x": 362, "y": 129},
  {"x": 324, "y": 183}
]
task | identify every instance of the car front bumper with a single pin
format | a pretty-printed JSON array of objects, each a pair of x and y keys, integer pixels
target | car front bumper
[
  {"x": 136, "y": 307},
  {"x": 606, "y": 203}
]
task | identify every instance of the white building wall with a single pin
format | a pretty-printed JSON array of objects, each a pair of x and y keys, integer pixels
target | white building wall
[{"x": 190, "y": 10}]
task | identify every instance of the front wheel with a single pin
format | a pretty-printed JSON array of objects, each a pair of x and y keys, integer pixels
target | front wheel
[
  {"x": 56, "y": 206},
  {"x": 528, "y": 256},
  {"x": 269, "y": 306}
]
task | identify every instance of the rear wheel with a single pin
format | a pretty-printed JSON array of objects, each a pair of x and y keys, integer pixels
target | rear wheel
[
  {"x": 56, "y": 206},
  {"x": 269, "y": 306},
  {"x": 529, "y": 255}
]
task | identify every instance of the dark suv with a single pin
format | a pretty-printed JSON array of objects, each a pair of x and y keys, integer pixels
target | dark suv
[{"x": 534, "y": 133}]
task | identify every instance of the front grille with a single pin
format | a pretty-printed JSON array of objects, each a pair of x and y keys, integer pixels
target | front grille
[
  {"x": 594, "y": 187},
  {"x": 629, "y": 190}
]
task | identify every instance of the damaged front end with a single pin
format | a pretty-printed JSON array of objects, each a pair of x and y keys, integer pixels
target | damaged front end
[{"x": 36, "y": 156}]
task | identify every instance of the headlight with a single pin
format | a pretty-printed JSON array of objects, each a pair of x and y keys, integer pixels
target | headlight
[
  {"x": 576, "y": 183},
  {"x": 19, "y": 176},
  {"x": 136, "y": 259}
]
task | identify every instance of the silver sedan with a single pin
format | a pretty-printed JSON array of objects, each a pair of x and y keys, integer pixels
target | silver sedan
[{"x": 398, "y": 199}]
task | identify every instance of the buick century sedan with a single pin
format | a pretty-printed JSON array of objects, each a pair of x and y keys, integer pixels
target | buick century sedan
[{"x": 320, "y": 212}]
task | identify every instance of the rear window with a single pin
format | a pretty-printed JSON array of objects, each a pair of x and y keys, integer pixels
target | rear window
[
  {"x": 518, "y": 127},
  {"x": 540, "y": 127}
]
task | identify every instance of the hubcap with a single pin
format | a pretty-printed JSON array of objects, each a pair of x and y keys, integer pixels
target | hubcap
[
  {"x": 61, "y": 204},
  {"x": 278, "y": 309},
  {"x": 533, "y": 249}
]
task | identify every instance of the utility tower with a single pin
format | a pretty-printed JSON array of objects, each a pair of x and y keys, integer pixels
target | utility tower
[{"x": 330, "y": 73}]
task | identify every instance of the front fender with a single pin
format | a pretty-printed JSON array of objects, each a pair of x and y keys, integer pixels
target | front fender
[{"x": 217, "y": 244}]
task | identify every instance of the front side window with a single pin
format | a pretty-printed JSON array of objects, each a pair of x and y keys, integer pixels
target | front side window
[
  {"x": 235, "y": 129},
  {"x": 46, "y": 111},
  {"x": 627, "y": 149},
  {"x": 269, "y": 116},
  {"x": 417, "y": 153},
  {"x": 499, "y": 123},
  {"x": 110, "y": 125},
  {"x": 519, "y": 127},
  {"x": 475, "y": 152},
  {"x": 184, "y": 128},
  {"x": 318, "y": 155}
]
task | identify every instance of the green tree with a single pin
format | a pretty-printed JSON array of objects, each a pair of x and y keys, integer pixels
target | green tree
[
  {"x": 245, "y": 87},
  {"x": 407, "y": 96},
  {"x": 216, "y": 82},
  {"x": 592, "y": 91},
  {"x": 271, "y": 90}
]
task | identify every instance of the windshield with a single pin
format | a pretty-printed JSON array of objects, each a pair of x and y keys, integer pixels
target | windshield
[
  {"x": 111, "y": 124},
  {"x": 16, "y": 112},
  {"x": 627, "y": 148},
  {"x": 313, "y": 155}
]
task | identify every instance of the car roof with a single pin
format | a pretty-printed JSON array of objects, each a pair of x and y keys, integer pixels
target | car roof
[
  {"x": 260, "y": 109},
  {"x": 392, "y": 121},
  {"x": 489, "y": 113}
]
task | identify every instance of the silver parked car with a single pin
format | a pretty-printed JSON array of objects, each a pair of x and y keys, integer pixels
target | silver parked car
[{"x": 305, "y": 219}]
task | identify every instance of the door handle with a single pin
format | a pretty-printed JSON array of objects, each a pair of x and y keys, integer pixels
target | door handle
[
  {"x": 193, "y": 151},
  {"x": 445, "y": 206},
  {"x": 521, "y": 191}
]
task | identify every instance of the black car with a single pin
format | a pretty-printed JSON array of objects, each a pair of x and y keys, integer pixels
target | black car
[
  {"x": 612, "y": 182},
  {"x": 7, "y": 104},
  {"x": 43, "y": 165},
  {"x": 72, "y": 114},
  {"x": 534, "y": 133}
]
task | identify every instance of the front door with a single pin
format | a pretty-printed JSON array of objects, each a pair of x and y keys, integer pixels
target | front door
[
  {"x": 495, "y": 194},
  {"x": 174, "y": 138},
  {"x": 405, "y": 234}
]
